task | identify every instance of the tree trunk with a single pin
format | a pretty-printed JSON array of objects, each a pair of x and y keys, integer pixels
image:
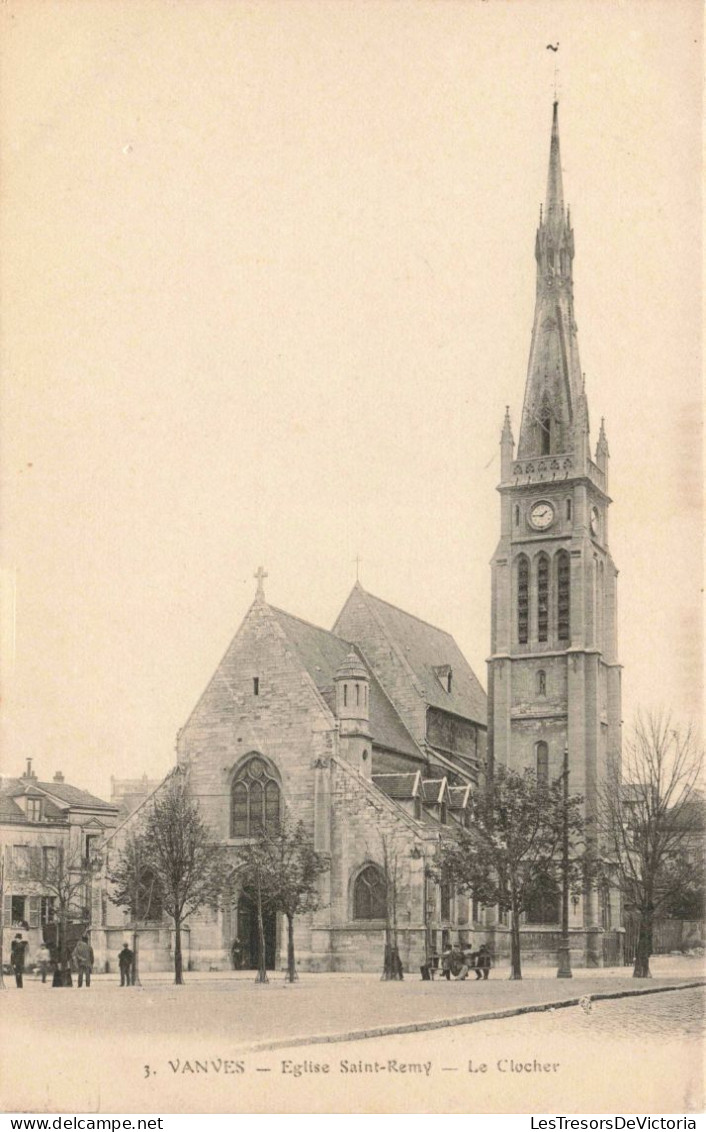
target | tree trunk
[
  {"x": 261, "y": 957},
  {"x": 66, "y": 980},
  {"x": 641, "y": 970},
  {"x": 291, "y": 968},
  {"x": 387, "y": 955},
  {"x": 515, "y": 966},
  {"x": 178, "y": 961},
  {"x": 135, "y": 966}
]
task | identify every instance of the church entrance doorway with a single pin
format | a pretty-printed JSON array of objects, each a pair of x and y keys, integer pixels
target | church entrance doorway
[{"x": 247, "y": 933}]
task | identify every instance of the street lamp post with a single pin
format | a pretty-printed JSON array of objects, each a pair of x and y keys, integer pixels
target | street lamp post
[{"x": 564, "y": 967}]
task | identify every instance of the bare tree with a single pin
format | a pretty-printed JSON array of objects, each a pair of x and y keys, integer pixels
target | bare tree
[
  {"x": 258, "y": 867},
  {"x": 511, "y": 854},
  {"x": 66, "y": 876},
  {"x": 188, "y": 864},
  {"x": 134, "y": 889},
  {"x": 392, "y": 966},
  {"x": 644, "y": 821}
]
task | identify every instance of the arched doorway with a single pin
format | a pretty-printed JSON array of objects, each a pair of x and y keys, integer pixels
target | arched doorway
[{"x": 247, "y": 934}]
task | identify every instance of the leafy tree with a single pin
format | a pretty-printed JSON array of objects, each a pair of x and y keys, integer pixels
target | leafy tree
[
  {"x": 282, "y": 870},
  {"x": 646, "y": 822},
  {"x": 67, "y": 876},
  {"x": 511, "y": 854},
  {"x": 135, "y": 888},
  {"x": 188, "y": 864}
]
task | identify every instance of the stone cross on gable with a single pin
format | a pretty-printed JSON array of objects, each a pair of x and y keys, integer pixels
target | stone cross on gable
[{"x": 260, "y": 574}]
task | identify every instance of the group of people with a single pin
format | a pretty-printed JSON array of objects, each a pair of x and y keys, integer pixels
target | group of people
[
  {"x": 457, "y": 961},
  {"x": 82, "y": 959}
]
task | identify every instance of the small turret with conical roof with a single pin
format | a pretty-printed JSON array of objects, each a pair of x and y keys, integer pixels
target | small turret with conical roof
[{"x": 352, "y": 684}]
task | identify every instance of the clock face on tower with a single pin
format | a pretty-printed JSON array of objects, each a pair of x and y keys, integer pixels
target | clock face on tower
[{"x": 541, "y": 515}]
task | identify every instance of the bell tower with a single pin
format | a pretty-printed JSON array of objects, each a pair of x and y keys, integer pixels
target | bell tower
[{"x": 553, "y": 672}]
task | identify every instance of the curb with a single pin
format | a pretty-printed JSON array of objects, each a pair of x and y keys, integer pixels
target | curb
[{"x": 463, "y": 1020}]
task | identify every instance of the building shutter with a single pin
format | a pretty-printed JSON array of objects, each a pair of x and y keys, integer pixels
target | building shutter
[
  {"x": 34, "y": 911},
  {"x": 7, "y": 911}
]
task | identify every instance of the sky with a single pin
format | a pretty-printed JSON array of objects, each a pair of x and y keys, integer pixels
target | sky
[{"x": 267, "y": 288}]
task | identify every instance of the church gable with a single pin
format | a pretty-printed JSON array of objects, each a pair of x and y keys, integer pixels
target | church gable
[{"x": 262, "y": 703}]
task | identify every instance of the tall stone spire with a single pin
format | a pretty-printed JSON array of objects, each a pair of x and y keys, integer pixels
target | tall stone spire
[{"x": 554, "y": 381}]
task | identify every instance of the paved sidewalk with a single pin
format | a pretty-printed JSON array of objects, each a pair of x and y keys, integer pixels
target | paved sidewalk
[{"x": 317, "y": 1007}]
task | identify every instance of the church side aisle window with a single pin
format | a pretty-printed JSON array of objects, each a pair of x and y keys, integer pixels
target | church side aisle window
[
  {"x": 523, "y": 600},
  {"x": 255, "y": 801},
  {"x": 370, "y": 895},
  {"x": 563, "y": 577}
]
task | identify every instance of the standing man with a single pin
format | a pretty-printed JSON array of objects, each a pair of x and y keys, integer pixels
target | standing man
[
  {"x": 17, "y": 958},
  {"x": 125, "y": 964},
  {"x": 43, "y": 961},
  {"x": 483, "y": 962},
  {"x": 83, "y": 954},
  {"x": 236, "y": 953}
]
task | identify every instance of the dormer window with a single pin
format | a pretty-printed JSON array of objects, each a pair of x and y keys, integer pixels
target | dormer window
[
  {"x": 34, "y": 809},
  {"x": 444, "y": 675}
]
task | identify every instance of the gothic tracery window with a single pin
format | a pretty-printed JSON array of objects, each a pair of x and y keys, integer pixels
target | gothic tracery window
[
  {"x": 542, "y": 598},
  {"x": 563, "y": 577},
  {"x": 523, "y": 600},
  {"x": 255, "y": 800},
  {"x": 370, "y": 894}
]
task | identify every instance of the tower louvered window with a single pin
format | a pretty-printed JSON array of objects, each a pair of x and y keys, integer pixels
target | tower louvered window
[
  {"x": 543, "y": 598},
  {"x": 523, "y": 600},
  {"x": 563, "y": 580}
]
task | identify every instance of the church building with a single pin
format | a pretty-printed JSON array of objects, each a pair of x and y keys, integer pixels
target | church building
[
  {"x": 373, "y": 739},
  {"x": 376, "y": 734}
]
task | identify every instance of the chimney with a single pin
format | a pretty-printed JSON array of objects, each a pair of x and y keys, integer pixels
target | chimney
[
  {"x": 58, "y": 777},
  {"x": 29, "y": 773}
]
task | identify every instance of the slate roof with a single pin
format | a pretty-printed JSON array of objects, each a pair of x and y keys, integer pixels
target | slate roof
[
  {"x": 70, "y": 795},
  {"x": 398, "y": 786},
  {"x": 432, "y": 790},
  {"x": 458, "y": 797},
  {"x": 426, "y": 649},
  {"x": 10, "y": 811},
  {"x": 322, "y": 653}
]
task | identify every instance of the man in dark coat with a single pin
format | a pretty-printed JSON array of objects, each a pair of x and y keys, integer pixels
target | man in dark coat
[
  {"x": 483, "y": 962},
  {"x": 125, "y": 964},
  {"x": 17, "y": 958},
  {"x": 83, "y": 956}
]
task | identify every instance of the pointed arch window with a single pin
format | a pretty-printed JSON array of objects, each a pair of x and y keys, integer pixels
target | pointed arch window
[
  {"x": 545, "y": 431},
  {"x": 563, "y": 596},
  {"x": 544, "y": 903},
  {"x": 541, "y": 682},
  {"x": 542, "y": 598},
  {"x": 523, "y": 599},
  {"x": 255, "y": 800},
  {"x": 370, "y": 894}
]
